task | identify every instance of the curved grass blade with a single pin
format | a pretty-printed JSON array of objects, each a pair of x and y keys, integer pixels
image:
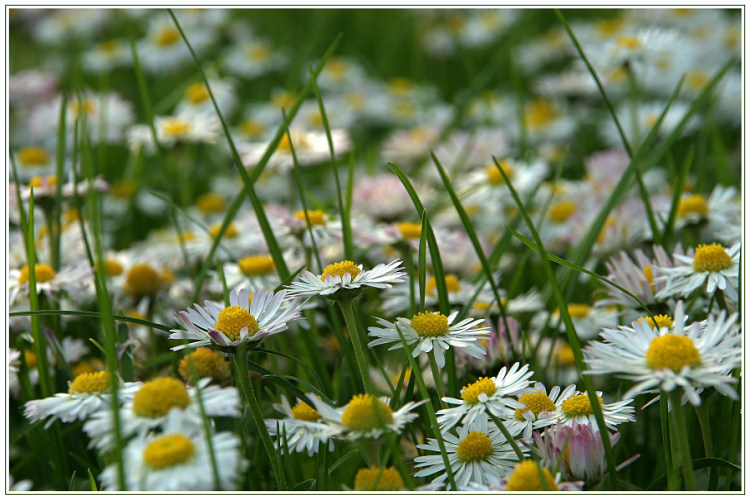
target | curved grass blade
[{"x": 91, "y": 314}]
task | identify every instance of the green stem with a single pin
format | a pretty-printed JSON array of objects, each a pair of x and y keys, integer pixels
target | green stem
[
  {"x": 664, "y": 409},
  {"x": 438, "y": 378},
  {"x": 508, "y": 437},
  {"x": 240, "y": 364},
  {"x": 702, "y": 412},
  {"x": 678, "y": 420},
  {"x": 359, "y": 350}
]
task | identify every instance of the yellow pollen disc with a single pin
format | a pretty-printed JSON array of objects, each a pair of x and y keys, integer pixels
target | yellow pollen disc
[
  {"x": 176, "y": 127},
  {"x": 565, "y": 355},
  {"x": 365, "y": 412},
  {"x": 109, "y": 47},
  {"x": 495, "y": 177},
  {"x": 697, "y": 79},
  {"x": 77, "y": 106},
  {"x": 560, "y": 212},
  {"x": 400, "y": 86},
  {"x": 451, "y": 283},
  {"x": 537, "y": 402},
  {"x": 251, "y": 127},
  {"x": 316, "y": 217},
  {"x": 89, "y": 383},
  {"x": 693, "y": 204},
  {"x": 256, "y": 265},
  {"x": 230, "y": 233},
  {"x": 390, "y": 479},
  {"x": 662, "y": 321},
  {"x": 340, "y": 269},
  {"x": 673, "y": 352},
  {"x": 475, "y": 447},
  {"x": 30, "y": 359},
  {"x": 123, "y": 189},
  {"x": 429, "y": 324},
  {"x": 315, "y": 119},
  {"x": 404, "y": 110},
  {"x": 608, "y": 27},
  {"x": 648, "y": 274},
  {"x": 355, "y": 101},
  {"x": 156, "y": 397},
  {"x": 37, "y": 182},
  {"x": 207, "y": 363},
  {"x": 525, "y": 477},
  {"x": 283, "y": 100},
  {"x": 410, "y": 230},
  {"x": 711, "y": 258},
  {"x": 112, "y": 267},
  {"x": 258, "y": 52},
  {"x": 91, "y": 366},
  {"x": 303, "y": 411},
  {"x": 142, "y": 279},
  {"x": 233, "y": 319},
  {"x": 32, "y": 156},
  {"x": 43, "y": 272},
  {"x": 166, "y": 275},
  {"x": 197, "y": 93},
  {"x": 186, "y": 236},
  {"x": 578, "y": 310},
  {"x": 485, "y": 385},
  {"x": 539, "y": 114},
  {"x": 629, "y": 42},
  {"x": 167, "y": 36},
  {"x": 211, "y": 203},
  {"x": 167, "y": 451},
  {"x": 579, "y": 406}
]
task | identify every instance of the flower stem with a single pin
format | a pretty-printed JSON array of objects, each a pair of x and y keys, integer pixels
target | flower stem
[
  {"x": 663, "y": 404},
  {"x": 438, "y": 378},
  {"x": 359, "y": 350},
  {"x": 240, "y": 364},
  {"x": 507, "y": 435},
  {"x": 678, "y": 420}
]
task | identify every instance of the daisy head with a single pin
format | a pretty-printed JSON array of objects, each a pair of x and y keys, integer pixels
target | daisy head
[
  {"x": 302, "y": 427},
  {"x": 531, "y": 476},
  {"x": 344, "y": 280},
  {"x": 711, "y": 265},
  {"x": 576, "y": 408},
  {"x": 539, "y": 403},
  {"x": 365, "y": 416},
  {"x": 247, "y": 318},
  {"x": 378, "y": 479}
]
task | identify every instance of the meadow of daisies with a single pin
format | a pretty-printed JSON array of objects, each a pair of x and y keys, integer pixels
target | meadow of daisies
[{"x": 357, "y": 250}]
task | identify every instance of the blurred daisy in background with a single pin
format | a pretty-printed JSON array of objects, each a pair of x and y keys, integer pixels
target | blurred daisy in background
[
  {"x": 301, "y": 429},
  {"x": 577, "y": 409},
  {"x": 344, "y": 280}
]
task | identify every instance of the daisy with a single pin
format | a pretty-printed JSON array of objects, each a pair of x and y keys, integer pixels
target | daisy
[
  {"x": 636, "y": 276},
  {"x": 71, "y": 280},
  {"x": 365, "y": 416},
  {"x": 493, "y": 394},
  {"x": 187, "y": 127},
  {"x": 344, "y": 280},
  {"x": 432, "y": 332},
  {"x": 146, "y": 407},
  {"x": 577, "y": 409},
  {"x": 253, "y": 57},
  {"x": 378, "y": 479},
  {"x": 207, "y": 363},
  {"x": 163, "y": 50},
  {"x": 721, "y": 212},
  {"x": 106, "y": 56},
  {"x": 245, "y": 319},
  {"x": 197, "y": 100},
  {"x": 34, "y": 161},
  {"x": 383, "y": 197},
  {"x": 701, "y": 354},
  {"x": 177, "y": 459},
  {"x": 587, "y": 320},
  {"x": 478, "y": 453},
  {"x": 539, "y": 403},
  {"x": 302, "y": 427},
  {"x": 713, "y": 265},
  {"x": 86, "y": 394},
  {"x": 310, "y": 148}
]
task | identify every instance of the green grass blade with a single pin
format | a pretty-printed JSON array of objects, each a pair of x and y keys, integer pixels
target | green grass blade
[{"x": 666, "y": 236}]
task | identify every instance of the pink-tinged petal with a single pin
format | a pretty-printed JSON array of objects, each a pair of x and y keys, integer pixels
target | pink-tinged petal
[{"x": 218, "y": 337}]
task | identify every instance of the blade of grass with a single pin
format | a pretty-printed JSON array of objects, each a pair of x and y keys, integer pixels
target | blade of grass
[{"x": 686, "y": 164}]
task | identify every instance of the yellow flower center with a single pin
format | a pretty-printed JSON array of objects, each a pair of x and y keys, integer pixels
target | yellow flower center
[
  {"x": 32, "y": 156},
  {"x": 256, "y": 265},
  {"x": 526, "y": 477},
  {"x": 711, "y": 258},
  {"x": 485, "y": 385},
  {"x": 608, "y": 27},
  {"x": 197, "y": 93},
  {"x": 579, "y": 406},
  {"x": 430, "y": 324},
  {"x": 694, "y": 204},
  {"x": 176, "y": 127},
  {"x": 251, "y": 127},
  {"x": 475, "y": 447},
  {"x": 160, "y": 395},
  {"x": 111, "y": 267},
  {"x": 167, "y": 36},
  {"x": 142, "y": 279},
  {"x": 109, "y": 47},
  {"x": 662, "y": 321},
  {"x": 578, "y": 310},
  {"x": 303, "y": 411},
  {"x": 89, "y": 383},
  {"x": 211, "y": 203},
  {"x": 43, "y": 272},
  {"x": 495, "y": 177},
  {"x": 230, "y": 233},
  {"x": 283, "y": 100},
  {"x": 233, "y": 319},
  {"x": 648, "y": 274},
  {"x": 258, "y": 52},
  {"x": 400, "y": 86},
  {"x": 561, "y": 211},
  {"x": 340, "y": 269},
  {"x": 673, "y": 352},
  {"x": 537, "y": 402},
  {"x": 565, "y": 355},
  {"x": 316, "y": 217},
  {"x": 696, "y": 79},
  {"x": 207, "y": 363},
  {"x": 365, "y": 412},
  {"x": 388, "y": 480},
  {"x": 410, "y": 230},
  {"x": 86, "y": 106},
  {"x": 629, "y": 42},
  {"x": 91, "y": 366},
  {"x": 30, "y": 359},
  {"x": 539, "y": 114},
  {"x": 451, "y": 283},
  {"x": 167, "y": 451}
]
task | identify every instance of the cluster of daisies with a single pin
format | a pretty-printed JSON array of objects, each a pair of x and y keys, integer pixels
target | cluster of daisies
[{"x": 361, "y": 330}]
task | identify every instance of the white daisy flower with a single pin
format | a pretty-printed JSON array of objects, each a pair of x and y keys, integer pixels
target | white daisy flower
[
  {"x": 692, "y": 356},
  {"x": 344, "y": 280},
  {"x": 587, "y": 320},
  {"x": 539, "y": 403},
  {"x": 365, "y": 416},
  {"x": 302, "y": 427},
  {"x": 72, "y": 279},
  {"x": 713, "y": 265},
  {"x": 34, "y": 161},
  {"x": 106, "y": 56},
  {"x": 186, "y": 127},
  {"x": 493, "y": 394},
  {"x": 577, "y": 409},
  {"x": 163, "y": 50},
  {"x": 197, "y": 100},
  {"x": 310, "y": 148},
  {"x": 146, "y": 407},
  {"x": 479, "y": 453},
  {"x": 245, "y": 319},
  {"x": 86, "y": 394},
  {"x": 253, "y": 57},
  {"x": 178, "y": 459},
  {"x": 432, "y": 331},
  {"x": 636, "y": 276}
]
